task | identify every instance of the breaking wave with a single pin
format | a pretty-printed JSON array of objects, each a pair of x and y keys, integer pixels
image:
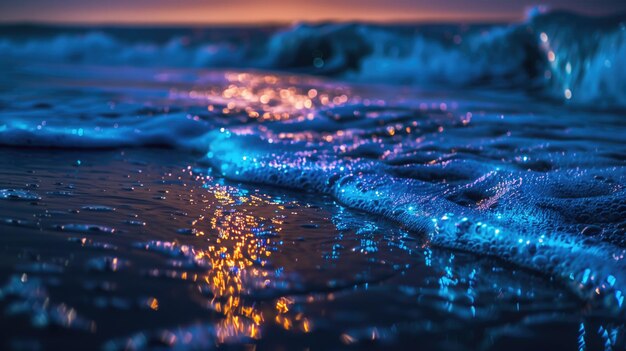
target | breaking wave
[{"x": 564, "y": 56}]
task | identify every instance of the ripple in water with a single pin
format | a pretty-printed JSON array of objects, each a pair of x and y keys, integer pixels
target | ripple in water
[{"x": 18, "y": 195}]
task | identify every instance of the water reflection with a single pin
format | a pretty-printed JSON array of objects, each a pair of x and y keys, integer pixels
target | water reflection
[
  {"x": 266, "y": 97},
  {"x": 266, "y": 270},
  {"x": 239, "y": 254}
]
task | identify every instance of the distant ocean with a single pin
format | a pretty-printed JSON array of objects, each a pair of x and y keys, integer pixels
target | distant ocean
[{"x": 562, "y": 56}]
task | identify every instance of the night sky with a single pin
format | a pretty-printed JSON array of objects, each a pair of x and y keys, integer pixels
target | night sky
[{"x": 251, "y": 11}]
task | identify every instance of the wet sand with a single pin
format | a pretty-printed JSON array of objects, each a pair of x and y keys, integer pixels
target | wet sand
[{"x": 145, "y": 248}]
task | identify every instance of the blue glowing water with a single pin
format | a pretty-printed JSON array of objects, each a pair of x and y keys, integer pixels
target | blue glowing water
[
  {"x": 504, "y": 141},
  {"x": 536, "y": 184}
]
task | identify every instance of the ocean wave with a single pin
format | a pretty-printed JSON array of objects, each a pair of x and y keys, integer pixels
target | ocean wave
[
  {"x": 102, "y": 48},
  {"x": 586, "y": 58},
  {"x": 467, "y": 186},
  {"x": 566, "y": 57},
  {"x": 514, "y": 179}
]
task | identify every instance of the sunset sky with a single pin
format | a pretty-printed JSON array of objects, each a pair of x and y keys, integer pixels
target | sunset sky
[{"x": 251, "y": 11}]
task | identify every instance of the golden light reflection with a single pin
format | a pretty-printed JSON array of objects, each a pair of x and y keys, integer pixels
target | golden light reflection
[
  {"x": 238, "y": 254},
  {"x": 266, "y": 97}
]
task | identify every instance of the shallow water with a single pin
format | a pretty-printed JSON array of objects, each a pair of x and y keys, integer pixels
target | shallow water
[
  {"x": 126, "y": 226},
  {"x": 142, "y": 249}
]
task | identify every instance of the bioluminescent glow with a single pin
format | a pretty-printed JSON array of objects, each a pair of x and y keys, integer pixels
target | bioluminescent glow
[{"x": 313, "y": 186}]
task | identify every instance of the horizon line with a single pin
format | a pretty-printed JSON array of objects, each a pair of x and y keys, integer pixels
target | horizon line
[
  {"x": 258, "y": 23},
  {"x": 450, "y": 19}
]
